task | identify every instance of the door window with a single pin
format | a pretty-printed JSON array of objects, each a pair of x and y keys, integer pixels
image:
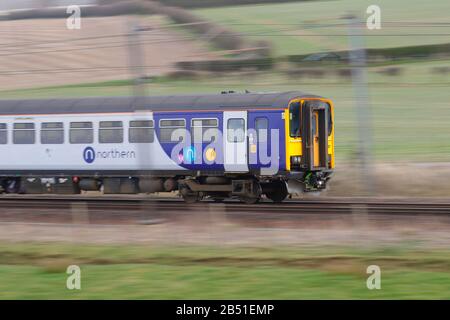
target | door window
[
  {"x": 314, "y": 124},
  {"x": 236, "y": 130}
]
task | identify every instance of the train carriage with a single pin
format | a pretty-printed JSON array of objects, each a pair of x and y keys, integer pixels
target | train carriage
[{"x": 218, "y": 146}]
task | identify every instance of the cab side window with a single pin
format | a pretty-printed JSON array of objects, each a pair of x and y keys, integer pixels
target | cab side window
[{"x": 294, "y": 120}]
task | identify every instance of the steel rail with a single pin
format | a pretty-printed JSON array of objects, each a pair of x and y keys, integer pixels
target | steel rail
[{"x": 304, "y": 206}]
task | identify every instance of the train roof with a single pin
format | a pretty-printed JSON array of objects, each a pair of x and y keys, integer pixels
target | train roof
[{"x": 218, "y": 102}]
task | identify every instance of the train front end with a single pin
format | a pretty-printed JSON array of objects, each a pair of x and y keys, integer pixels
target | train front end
[{"x": 310, "y": 156}]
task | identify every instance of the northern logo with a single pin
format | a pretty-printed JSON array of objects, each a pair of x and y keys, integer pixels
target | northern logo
[{"x": 89, "y": 154}]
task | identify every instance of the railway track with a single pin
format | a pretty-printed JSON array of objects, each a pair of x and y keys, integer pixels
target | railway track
[
  {"x": 303, "y": 206},
  {"x": 145, "y": 210}
]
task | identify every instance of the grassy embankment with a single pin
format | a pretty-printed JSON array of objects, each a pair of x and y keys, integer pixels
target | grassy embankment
[{"x": 29, "y": 271}]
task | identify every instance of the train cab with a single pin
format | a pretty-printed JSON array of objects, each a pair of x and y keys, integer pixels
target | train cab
[{"x": 310, "y": 140}]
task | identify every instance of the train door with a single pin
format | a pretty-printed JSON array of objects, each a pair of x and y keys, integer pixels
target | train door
[
  {"x": 315, "y": 135},
  {"x": 235, "y": 141},
  {"x": 315, "y": 138}
]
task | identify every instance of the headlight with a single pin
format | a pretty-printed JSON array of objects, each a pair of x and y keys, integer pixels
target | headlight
[{"x": 296, "y": 160}]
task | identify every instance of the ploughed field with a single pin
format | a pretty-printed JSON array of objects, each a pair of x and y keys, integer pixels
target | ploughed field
[{"x": 43, "y": 52}]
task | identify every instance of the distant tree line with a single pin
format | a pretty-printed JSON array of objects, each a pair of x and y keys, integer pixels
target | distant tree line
[
  {"x": 191, "y": 4},
  {"x": 375, "y": 55}
]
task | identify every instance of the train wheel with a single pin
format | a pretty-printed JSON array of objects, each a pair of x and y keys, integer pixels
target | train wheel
[
  {"x": 254, "y": 195},
  {"x": 188, "y": 195},
  {"x": 249, "y": 200},
  {"x": 280, "y": 192},
  {"x": 191, "y": 198}
]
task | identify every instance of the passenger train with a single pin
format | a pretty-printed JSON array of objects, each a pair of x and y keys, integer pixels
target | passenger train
[{"x": 217, "y": 146}]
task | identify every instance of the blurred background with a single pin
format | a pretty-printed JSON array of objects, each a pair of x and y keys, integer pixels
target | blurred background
[
  {"x": 400, "y": 148},
  {"x": 210, "y": 46}
]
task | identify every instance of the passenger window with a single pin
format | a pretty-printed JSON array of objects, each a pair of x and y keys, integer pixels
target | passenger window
[
  {"x": 204, "y": 130},
  {"x": 3, "y": 133},
  {"x": 141, "y": 131},
  {"x": 170, "y": 130},
  {"x": 52, "y": 133},
  {"x": 236, "y": 130},
  {"x": 23, "y": 133},
  {"x": 81, "y": 132},
  {"x": 294, "y": 120},
  {"x": 262, "y": 128},
  {"x": 110, "y": 132}
]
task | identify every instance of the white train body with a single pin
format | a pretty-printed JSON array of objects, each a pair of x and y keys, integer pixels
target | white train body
[{"x": 72, "y": 157}]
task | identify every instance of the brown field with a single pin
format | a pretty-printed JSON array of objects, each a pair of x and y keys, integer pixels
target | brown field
[{"x": 45, "y": 53}]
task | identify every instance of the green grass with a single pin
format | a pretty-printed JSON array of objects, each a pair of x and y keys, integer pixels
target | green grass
[
  {"x": 279, "y": 23},
  {"x": 30, "y": 271}
]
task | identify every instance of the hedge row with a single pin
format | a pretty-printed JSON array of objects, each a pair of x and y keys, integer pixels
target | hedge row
[
  {"x": 227, "y": 65},
  {"x": 193, "y": 4},
  {"x": 424, "y": 51},
  {"x": 220, "y": 36},
  {"x": 219, "y": 3},
  {"x": 341, "y": 72}
]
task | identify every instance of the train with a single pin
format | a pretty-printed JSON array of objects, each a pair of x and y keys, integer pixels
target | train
[{"x": 247, "y": 146}]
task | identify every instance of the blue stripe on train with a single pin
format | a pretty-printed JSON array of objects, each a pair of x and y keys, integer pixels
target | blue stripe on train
[{"x": 192, "y": 155}]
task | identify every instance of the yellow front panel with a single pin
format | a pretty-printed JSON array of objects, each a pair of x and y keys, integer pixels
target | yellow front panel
[
  {"x": 316, "y": 146},
  {"x": 294, "y": 145},
  {"x": 331, "y": 136}
]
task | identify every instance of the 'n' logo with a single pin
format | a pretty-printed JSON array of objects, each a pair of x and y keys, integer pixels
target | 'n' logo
[{"x": 89, "y": 154}]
